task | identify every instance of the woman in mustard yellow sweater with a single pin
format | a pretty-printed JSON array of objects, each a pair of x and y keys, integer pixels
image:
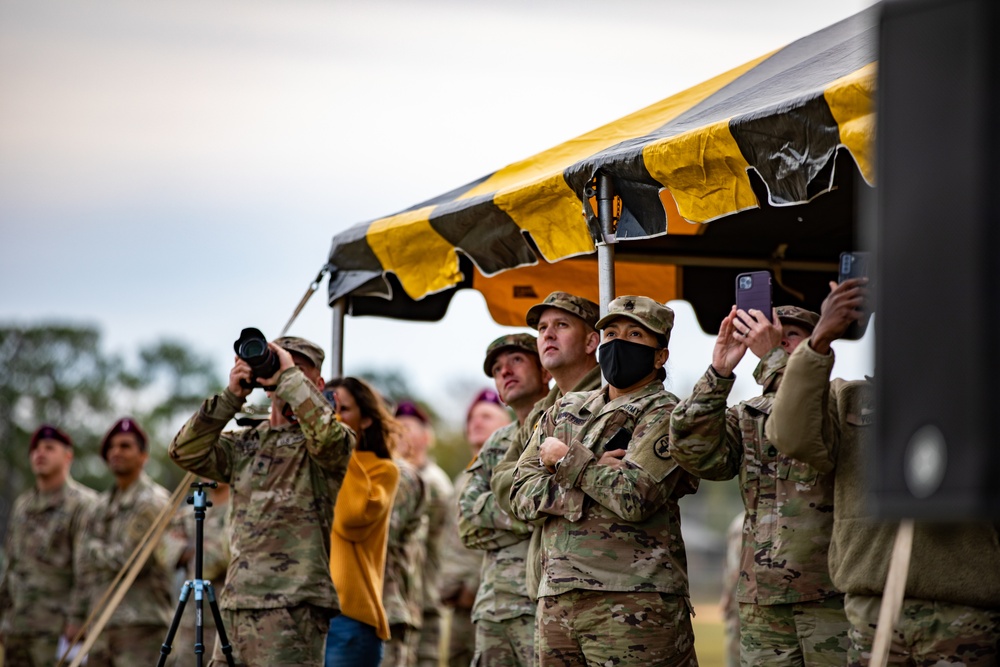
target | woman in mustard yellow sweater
[{"x": 360, "y": 528}]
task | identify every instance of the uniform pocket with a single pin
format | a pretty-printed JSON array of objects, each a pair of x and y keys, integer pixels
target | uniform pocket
[{"x": 796, "y": 471}]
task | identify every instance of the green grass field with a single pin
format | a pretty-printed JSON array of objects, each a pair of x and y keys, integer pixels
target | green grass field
[{"x": 709, "y": 638}]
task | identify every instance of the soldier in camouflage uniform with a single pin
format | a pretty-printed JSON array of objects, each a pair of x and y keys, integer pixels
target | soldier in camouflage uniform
[
  {"x": 40, "y": 578},
  {"x": 598, "y": 471},
  {"x": 402, "y": 593},
  {"x": 284, "y": 476},
  {"x": 951, "y": 607},
  {"x": 503, "y": 612},
  {"x": 567, "y": 340},
  {"x": 462, "y": 566},
  {"x": 418, "y": 437},
  {"x": 790, "y": 612},
  {"x": 121, "y": 517}
]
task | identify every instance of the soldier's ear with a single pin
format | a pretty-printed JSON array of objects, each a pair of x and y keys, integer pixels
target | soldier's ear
[{"x": 593, "y": 341}]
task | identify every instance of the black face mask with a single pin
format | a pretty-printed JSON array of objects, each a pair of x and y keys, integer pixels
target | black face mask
[{"x": 624, "y": 363}]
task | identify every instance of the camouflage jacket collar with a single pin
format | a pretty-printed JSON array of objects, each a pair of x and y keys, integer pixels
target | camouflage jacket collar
[
  {"x": 42, "y": 500},
  {"x": 599, "y": 401},
  {"x": 590, "y": 381},
  {"x": 770, "y": 370},
  {"x": 125, "y": 499}
]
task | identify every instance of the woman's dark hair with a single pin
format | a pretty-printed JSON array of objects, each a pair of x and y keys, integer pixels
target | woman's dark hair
[{"x": 380, "y": 436}]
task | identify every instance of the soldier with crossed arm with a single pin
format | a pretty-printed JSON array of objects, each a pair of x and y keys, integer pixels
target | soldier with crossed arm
[
  {"x": 598, "y": 476},
  {"x": 504, "y": 613}
]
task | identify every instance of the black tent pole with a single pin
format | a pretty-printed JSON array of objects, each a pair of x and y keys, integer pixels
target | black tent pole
[{"x": 606, "y": 247}]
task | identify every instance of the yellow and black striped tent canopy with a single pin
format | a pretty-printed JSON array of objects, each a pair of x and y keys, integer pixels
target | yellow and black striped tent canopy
[{"x": 756, "y": 168}]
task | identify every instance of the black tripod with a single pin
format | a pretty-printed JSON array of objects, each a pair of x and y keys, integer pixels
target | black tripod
[{"x": 200, "y": 586}]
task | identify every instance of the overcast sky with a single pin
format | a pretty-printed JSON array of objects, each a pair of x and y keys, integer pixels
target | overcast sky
[{"x": 177, "y": 169}]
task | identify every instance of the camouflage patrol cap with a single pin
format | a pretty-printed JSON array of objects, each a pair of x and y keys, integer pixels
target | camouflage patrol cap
[
  {"x": 311, "y": 351},
  {"x": 519, "y": 341},
  {"x": 653, "y": 315},
  {"x": 585, "y": 309},
  {"x": 806, "y": 319}
]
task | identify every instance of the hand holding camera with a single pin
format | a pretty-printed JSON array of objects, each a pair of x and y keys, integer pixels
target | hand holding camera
[{"x": 258, "y": 363}]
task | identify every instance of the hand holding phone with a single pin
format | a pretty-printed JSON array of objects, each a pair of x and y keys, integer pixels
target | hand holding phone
[{"x": 855, "y": 265}]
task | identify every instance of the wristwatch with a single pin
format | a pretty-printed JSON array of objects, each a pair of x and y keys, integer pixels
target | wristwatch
[{"x": 559, "y": 462}]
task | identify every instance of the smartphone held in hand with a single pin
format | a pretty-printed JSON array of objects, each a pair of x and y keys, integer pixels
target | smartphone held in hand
[
  {"x": 856, "y": 265},
  {"x": 753, "y": 290}
]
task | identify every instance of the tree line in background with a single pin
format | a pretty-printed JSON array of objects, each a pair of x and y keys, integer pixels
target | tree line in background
[{"x": 60, "y": 374}]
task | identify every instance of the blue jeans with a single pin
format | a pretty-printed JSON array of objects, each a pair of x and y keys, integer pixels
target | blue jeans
[{"x": 351, "y": 643}]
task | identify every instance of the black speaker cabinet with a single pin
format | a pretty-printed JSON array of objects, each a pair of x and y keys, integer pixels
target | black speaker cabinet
[{"x": 937, "y": 229}]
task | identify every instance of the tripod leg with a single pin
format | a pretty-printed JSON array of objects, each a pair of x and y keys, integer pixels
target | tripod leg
[
  {"x": 199, "y": 634},
  {"x": 227, "y": 649},
  {"x": 165, "y": 648}
]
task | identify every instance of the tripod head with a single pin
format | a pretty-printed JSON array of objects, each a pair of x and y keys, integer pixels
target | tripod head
[{"x": 199, "y": 499}]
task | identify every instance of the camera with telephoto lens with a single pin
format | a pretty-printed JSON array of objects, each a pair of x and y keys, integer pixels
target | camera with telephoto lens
[{"x": 252, "y": 348}]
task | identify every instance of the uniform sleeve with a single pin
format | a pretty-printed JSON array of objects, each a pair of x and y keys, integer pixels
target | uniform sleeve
[
  {"x": 328, "y": 440},
  {"x": 6, "y": 601},
  {"x": 76, "y": 611},
  {"x": 461, "y": 566},
  {"x": 482, "y": 523},
  {"x": 537, "y": 493},
  {"x": 200, "y": 446},
  {"x": 364, "y": 500},
  {"x": 99, "y": 555},
  {"x": 503, "y": 475},
  {"x": 643, "y": 484},
  {"x": 173, "y": 543},
  {"x": 705, "y": 437},
  {"x": 802, "y": 421},
  {"x": 406, "y": 507},
  {"x": 442, "y": 517}
]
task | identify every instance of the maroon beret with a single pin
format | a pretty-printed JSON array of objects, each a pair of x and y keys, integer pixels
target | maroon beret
[
  {"x": 124, "y": 425},
  {"x": 485, "y": 396},
  {"x": 46, "y": 432},
  {"x": 411, "y": 409}
]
